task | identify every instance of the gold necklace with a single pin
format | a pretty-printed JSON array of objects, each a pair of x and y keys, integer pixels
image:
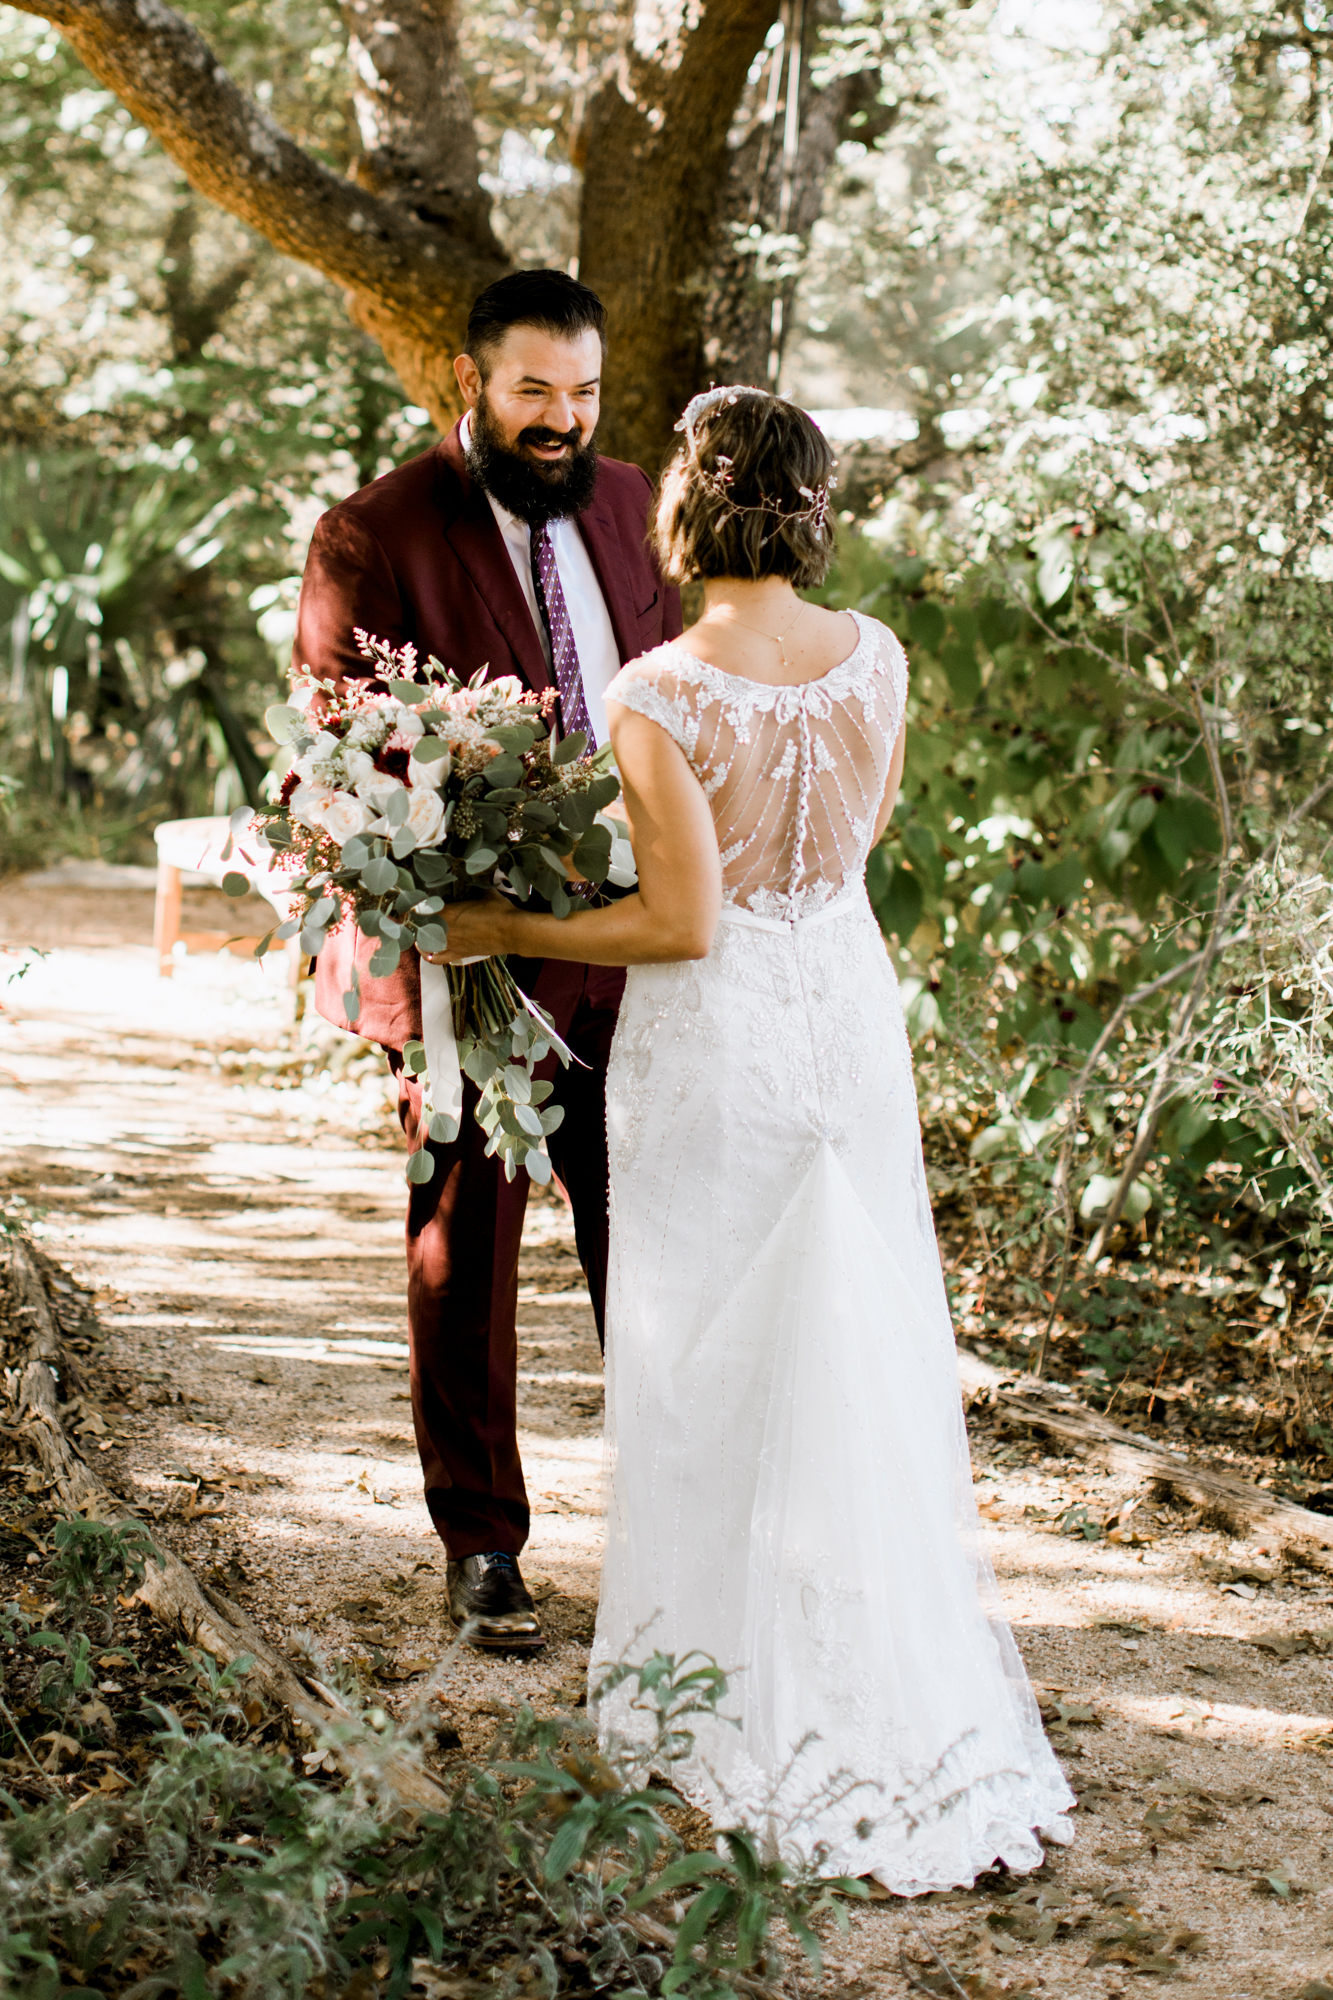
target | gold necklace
[{"x": 774, "y": 638}]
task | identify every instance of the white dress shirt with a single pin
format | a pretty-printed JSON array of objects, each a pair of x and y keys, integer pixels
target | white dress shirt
[{"x": 589, "y": 619}]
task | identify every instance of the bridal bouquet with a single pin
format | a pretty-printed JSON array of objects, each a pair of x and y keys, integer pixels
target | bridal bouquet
[{"x": 416, "y": 791}]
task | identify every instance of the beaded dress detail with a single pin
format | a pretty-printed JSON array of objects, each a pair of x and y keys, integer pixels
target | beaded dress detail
[{"x": 789, "y": 1488}]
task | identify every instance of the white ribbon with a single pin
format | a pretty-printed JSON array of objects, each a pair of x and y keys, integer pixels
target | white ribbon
[{"x": 437, "y": 1037}]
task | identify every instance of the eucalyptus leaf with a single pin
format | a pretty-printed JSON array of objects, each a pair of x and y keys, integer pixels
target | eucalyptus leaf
[
  {"x": 484, "y": 857},
  {"x": 573, "y": 746},
  {"x": 289, "y": 929},
  {"x": 518, "y": 1084},
  {"x": 538, "y": 1166},
  {"x": 432, "y": 937},
  {"x": 603, "y": 792},
  {"x": 379, "y": 876},
  {"x": 235, "y": 884},
  {"x": 443, "y": 1129},
  {"x": 280, "y": 719},
  {"x": 429, "y": 750},
  {"x": 397, "y": 806},
  {"x": 385, "y": 960},
  {"x": 530, "y": 1120},
  {"x": 356, "y": 852},
  {"x": 313, "y": 942},
  {"x": 577, "y": 812},
  {"x": 420, "y": 1167},
  {"x": 503, "y": 771},
  {"x": 432, "y": 869},
  {"x": 410, "y": 692},
  {"x": 516, "y": 736},
  {"x": 402, "y": 843}
]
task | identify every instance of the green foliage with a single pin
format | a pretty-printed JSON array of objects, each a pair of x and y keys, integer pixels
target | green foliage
[{"x": 223, "y": 1869}]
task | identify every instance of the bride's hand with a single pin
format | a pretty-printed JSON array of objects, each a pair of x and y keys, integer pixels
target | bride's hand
[{"x": 475, "y": 930}]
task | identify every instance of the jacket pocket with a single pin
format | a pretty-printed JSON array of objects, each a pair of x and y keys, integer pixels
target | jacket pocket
[{"x": 650, "y": 607}]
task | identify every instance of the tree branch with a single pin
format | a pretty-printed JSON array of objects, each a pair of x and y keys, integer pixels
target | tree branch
[{"x": 411, "y": 270}]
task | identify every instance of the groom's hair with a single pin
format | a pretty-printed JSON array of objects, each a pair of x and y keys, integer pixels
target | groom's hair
[
  {"x": 549, "y": 300},
  {"x": 747, "y": 493}
]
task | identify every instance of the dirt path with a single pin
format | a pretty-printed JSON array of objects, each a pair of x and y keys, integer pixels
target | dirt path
[{"x": 232, "y": 1198}]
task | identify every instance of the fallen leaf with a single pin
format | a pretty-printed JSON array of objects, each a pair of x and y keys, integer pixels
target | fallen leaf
[
  {"x": 1280, "y": 1882},
  {"x": 1284, "y": 1644}
]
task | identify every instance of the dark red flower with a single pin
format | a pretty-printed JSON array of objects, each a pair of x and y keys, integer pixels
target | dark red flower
[
  {"x": 392, "y": 761},
  {"x": 289, "y": 784}
]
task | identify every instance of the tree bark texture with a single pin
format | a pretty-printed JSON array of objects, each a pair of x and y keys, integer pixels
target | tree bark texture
[
  {"x": 656, "y": 161},
  {"x": 408, "y": 237}
]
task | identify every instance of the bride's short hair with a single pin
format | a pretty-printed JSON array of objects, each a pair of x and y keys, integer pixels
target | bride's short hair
[{"x": 747, "y": 492}]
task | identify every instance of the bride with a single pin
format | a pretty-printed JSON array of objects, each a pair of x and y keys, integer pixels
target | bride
[{"x": 790, "y": 1489}]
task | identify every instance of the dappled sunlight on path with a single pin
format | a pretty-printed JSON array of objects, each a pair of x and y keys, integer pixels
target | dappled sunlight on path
[{"x": 233, "y": 1200}]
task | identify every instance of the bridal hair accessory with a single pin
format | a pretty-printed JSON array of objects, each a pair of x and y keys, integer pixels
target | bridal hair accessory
[{"x": 718, "y": 480}]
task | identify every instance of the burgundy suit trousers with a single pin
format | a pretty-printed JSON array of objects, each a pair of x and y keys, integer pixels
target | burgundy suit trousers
[{"x": 464, "y": 1227}]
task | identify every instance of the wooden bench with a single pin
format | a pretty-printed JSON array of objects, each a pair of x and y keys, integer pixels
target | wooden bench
[{"x": 194, "y": 847}]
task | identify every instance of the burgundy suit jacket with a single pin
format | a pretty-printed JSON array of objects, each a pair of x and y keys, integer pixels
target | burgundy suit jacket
[{"x": 417, "y": 555}]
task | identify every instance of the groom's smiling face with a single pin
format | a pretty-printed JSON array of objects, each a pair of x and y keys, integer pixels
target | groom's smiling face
[{"x": 534, "y": 411}]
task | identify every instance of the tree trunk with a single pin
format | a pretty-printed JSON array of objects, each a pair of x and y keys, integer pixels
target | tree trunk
[
  {"x": 656, "y": 158},
  {"x": 780, "y": 158}
]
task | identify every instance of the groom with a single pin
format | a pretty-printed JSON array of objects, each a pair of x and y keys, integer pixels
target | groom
[{"x": 510, "y": 546}]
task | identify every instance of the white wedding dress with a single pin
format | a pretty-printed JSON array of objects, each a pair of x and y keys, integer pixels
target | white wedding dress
[{"x": 789, "y": 1487}]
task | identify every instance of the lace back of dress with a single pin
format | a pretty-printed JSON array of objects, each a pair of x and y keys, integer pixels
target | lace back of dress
[{"x": 794, "y": 775}]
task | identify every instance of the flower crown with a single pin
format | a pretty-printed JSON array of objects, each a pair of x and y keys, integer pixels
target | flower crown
[{"x": 718, "y": 480}]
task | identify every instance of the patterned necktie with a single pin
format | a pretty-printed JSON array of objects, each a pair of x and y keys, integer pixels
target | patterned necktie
[{"x": 564, "y": 653}]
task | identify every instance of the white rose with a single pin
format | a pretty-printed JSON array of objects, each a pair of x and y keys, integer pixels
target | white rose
[
  {"x": 432, "y": 776},
  {"x": 310, "y": 801},
  {"x": 358, "y": 764},
  {"x": 345, "y": 816},
  {"x": 508, "y": 686},
  {"x": 425, "y": 814},
  {"x": 378, "y": 789}
]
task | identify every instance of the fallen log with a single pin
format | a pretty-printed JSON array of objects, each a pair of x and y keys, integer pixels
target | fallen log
[
  {"x": 1042, "y": 1406},
  {"x": 170, "y": 1588}
]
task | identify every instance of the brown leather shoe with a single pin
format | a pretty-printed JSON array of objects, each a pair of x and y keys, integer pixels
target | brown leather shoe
[{"x": 489, "y": 1598}]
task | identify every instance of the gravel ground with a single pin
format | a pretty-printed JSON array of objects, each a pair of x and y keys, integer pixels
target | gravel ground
[{"x": 231, "y": 1196}]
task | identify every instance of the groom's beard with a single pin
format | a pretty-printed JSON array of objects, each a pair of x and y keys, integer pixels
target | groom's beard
[{"x": 537, "y": 492}]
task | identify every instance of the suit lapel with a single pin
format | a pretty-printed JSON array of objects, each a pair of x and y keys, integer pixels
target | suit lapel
[
  {"x": 601, "y": 537},
  {"x": 476, "y": 541}
]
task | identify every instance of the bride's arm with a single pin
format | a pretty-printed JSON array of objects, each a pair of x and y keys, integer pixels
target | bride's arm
[{"x": 674, "y": 912}]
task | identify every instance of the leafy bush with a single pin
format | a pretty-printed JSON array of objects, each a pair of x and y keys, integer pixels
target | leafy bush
[{"x": 233, "y": 1865}]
